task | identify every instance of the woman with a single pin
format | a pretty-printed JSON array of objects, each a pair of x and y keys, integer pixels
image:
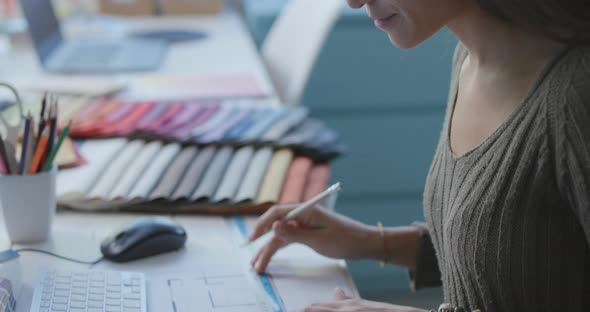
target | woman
[{"x": 507, "y": 200}]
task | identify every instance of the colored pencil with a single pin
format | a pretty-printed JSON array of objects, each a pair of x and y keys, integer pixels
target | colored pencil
[
  {"x": 2, "y": 166},
  {"x": 4, "y": 156},
  {"x": 55, "y": 150},
  {"x": 52, "y": 132},
  {"x": 31, "y": 147},
  {"x": 41, "y": 125},
  {"x": 41, "y": 147},
  {"x": 25, "y": 145}
]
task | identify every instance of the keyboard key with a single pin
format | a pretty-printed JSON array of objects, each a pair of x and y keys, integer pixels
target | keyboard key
[
  {"x": 132, "y": 296},
  {"x": 95, "y": 304},
  {"x": 79, "y": 291},
  {"x": 62, "y": 287},
  {"x": 113, "y": 309},
  {"x": 60, "y": 300},
  {"x": 75, "y": 297},
  {"x": 59, "y": 307},
  {"x": 115, "y": 281},
  {"x": 93, "y": 297},
  {"x": 113, "y": 295},
  {"x": 96, "y": 284},
  {"x": 61, "y": 293},
  {"x": 78, "y": 304},
  {"x": 45, "y": 304},
  {"x": 77, "y": 310},
  {"x": 63, "y": 280},
  {"x": 97, "y": 276},
  {"x": 131, "y": 310},
  {"x": 113, "y": 302},
  {"x": 79, "y": 284},
  {"x": 130, "y": 303}
]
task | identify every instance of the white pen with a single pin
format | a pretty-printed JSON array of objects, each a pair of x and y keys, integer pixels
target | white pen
[
  {"x": 335, "y": 188},
  {"x": 312, "y": 202}
]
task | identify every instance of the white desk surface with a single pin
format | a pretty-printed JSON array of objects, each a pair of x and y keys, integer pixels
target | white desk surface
[
  {"x": 310, "y": 279},
  {"x": 227, "y": 50}
]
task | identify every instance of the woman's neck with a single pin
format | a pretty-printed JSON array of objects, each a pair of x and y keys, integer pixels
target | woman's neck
[{"x": 494, "y": 44}]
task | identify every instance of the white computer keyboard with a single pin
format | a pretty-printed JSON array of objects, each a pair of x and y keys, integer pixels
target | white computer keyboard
[{"x": 89, "y": 291}]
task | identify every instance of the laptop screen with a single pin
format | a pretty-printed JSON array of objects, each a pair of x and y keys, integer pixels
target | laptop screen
[{"x": 43, "y": 26}]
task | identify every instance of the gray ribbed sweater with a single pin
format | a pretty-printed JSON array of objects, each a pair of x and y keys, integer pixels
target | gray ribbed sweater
[{"x": 508, "y": 223}]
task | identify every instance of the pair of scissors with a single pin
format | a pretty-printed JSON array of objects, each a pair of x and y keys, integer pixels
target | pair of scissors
[{"x": 11, "y": 130}]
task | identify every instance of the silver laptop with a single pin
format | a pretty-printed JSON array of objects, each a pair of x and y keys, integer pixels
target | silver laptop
[{"x": 86, "y": 56}]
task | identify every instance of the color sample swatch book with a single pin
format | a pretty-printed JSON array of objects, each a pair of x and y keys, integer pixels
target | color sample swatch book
[{"x": 153, "y": 176}]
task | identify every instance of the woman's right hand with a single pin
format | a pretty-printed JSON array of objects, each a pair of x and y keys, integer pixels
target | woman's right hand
[{"x": 328, "y": 233}]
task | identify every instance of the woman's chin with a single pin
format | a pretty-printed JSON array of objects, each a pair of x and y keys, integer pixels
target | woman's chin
[{"x": 403, "y": 43}]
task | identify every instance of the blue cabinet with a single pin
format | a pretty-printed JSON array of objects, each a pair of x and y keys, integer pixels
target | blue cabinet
[{"x": 388, "y": 105}]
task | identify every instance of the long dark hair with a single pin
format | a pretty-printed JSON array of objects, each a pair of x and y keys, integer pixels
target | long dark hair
[{"x": 566, "y": 21}]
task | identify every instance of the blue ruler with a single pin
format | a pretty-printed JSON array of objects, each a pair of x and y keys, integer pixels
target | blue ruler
[{"x": 264, "y": 279}]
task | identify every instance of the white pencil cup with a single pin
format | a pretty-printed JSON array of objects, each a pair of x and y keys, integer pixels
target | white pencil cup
[{"x": 28, "y": 204}]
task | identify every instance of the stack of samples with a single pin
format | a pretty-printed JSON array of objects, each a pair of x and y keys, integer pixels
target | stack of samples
[{"x": 201, "y": 156}]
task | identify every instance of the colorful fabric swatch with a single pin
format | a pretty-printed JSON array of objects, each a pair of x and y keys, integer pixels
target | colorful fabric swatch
[
  {"x": 272, "y": 184},
  {"x": 296, "y": 181},
  {"x": 152, "y": 176},
  {"x": 203, "y": 122}
]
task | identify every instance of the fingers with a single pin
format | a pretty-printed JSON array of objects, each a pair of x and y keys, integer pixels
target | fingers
[
  {"x": 291, "y": 232},
  {"x": 261, "y": 260},
  {"x": 327, "y": 307},
  {"x": 318, "y": 308},
  {"x": 339, "y": 294},
  {"x": 264, "y": 224}
]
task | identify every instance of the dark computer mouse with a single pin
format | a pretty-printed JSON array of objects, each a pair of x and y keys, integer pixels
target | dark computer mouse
[{"x": 144, "y": 238}]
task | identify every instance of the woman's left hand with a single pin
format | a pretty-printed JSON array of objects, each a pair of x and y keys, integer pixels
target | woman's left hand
[{"x": 345, "y": 303}]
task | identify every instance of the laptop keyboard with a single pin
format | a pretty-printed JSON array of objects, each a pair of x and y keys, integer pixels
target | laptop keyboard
[
  {"x": 93, "y": 54},
  {"x": 90, "y": 291}
]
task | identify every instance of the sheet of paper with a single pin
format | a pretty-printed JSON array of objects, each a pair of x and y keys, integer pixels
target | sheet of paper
[{"x": 306, "y": 276}]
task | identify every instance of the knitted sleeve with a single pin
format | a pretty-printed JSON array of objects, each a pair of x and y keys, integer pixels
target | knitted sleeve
[
  {"x": 570, "y": 122},
  {"x": 426, "y": 272}
]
